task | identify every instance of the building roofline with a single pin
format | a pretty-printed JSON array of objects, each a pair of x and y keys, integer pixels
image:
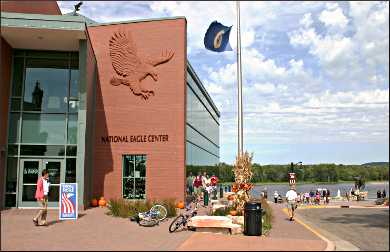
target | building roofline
[
  {"x": 202, "y": 88},
  {"x": 138, "y": 21},
  {"x": 43, "y": 17}
]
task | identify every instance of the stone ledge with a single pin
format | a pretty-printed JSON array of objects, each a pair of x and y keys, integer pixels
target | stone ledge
[{"x": 214, "y": 224}]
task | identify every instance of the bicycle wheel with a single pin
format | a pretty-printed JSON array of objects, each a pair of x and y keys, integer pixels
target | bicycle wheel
[
  {"x": 177, "y": 223},
  {"x": 159, "y": 211},
  {"x": 148, "y": 222}
]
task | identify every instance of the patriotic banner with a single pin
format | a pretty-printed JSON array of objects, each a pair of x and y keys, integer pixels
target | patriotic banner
[
  {"x": 291, "y": 178},
  {"x": 68, "y": 201}
]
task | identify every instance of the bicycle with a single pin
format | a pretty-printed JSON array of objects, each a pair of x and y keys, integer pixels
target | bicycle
[
  {"x": 181, "y": 221},
  {"x": 152, "y": 217}
]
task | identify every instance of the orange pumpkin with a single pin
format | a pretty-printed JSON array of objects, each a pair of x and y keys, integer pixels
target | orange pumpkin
[
  {"x": 102, "y": 202},
  {"x": 180, "y": 205},
  {"x": 233, "y": 212},
  {"x": 94, "y": 202}
]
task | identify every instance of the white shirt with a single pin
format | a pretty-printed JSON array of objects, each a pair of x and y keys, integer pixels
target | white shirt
[
  {"x": 46, "y": 185},
  {"x": 291, "y": 195}
]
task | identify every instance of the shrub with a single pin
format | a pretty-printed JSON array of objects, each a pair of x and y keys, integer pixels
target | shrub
[{"x": 126, "y": 208}]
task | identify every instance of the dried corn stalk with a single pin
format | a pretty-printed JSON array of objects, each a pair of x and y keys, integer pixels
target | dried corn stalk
[{"x": 243, "y": 174}]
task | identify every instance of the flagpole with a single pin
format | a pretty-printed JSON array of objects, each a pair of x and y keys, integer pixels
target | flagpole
[{"x": 239, "y": 81}]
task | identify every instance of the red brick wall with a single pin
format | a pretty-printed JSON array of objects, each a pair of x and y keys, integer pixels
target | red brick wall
[
  {"x": 34, "y": 7},
  {"x": 6, "y": 61},
  {"x": 119, "y": 112}
]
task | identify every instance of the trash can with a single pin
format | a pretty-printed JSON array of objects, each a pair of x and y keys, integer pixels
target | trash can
[
  {"x": 205, "y": 198},
  {"x": 252, "y": 219}
]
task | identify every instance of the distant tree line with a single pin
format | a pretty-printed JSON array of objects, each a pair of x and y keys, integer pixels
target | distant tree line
[{"x": 305, "y": 173}]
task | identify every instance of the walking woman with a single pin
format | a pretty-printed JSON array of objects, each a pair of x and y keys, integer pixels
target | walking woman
[{"x": 41, "y": 196}]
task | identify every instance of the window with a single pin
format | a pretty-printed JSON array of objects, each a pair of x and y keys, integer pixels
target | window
[{"x": 134, "y": 176}]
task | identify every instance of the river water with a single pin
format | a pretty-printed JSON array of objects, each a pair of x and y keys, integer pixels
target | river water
[{"x": 371, "y": 187}]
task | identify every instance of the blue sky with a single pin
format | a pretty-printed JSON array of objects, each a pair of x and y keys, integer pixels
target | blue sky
[{"x": 315, "y": 74}]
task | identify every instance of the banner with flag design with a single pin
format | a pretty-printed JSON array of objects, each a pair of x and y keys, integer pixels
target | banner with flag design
[{"x": 68, "y": 201}]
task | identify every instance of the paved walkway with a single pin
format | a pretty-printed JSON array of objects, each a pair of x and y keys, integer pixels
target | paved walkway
[
  {"x": 352, "y": 228},
  {"x": 94, "y": 230}
]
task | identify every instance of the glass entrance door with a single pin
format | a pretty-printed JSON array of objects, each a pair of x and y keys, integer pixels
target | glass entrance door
[{"x": 31, "y": 170}]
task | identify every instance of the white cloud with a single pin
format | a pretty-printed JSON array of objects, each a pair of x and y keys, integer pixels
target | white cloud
[
  {"x": 306, "y": 21},
  {"x": 265, "y": 88},
  {"x": 333, "y": 16}
]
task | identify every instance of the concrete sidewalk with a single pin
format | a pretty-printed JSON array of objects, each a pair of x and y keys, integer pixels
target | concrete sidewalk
[
  {"x": 94, "y": 230},
  {"x": 284, "y": 236}
]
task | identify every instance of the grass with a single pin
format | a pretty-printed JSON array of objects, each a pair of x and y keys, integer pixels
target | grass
[{"x": 128, "y": 208}]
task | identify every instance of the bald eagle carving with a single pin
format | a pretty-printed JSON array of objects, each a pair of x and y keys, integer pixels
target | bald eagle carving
[{"x": 131, "y": 67}]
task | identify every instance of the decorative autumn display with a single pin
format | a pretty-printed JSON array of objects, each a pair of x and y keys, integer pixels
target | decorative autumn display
[
  {"x": 94, "y": 202},
  {"x": 180, "y": 205},
  {"x": 102, "y": 202},
  {"x": 233, "y": 212},
  {"x": 243, "y": 174},
  {"x": 230, "y": 197}
]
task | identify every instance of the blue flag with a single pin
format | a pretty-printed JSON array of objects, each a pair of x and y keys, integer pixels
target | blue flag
[{"x": 217, "y": 37}]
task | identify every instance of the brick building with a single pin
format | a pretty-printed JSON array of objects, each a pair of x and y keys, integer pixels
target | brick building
[{"x": 115, "y": 107}]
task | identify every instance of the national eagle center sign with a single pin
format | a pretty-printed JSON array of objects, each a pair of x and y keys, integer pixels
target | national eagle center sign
[{"x": 68, "y": 201}]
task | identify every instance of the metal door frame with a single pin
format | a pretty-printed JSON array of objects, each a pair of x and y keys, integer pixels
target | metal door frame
[{"x": 42, "y": 165}]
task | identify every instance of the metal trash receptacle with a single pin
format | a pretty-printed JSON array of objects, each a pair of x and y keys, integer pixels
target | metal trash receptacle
[{"x": 252, "y": 219}]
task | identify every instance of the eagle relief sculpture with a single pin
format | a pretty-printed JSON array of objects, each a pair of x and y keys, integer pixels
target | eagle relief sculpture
[{"x": 131, "y": 67}]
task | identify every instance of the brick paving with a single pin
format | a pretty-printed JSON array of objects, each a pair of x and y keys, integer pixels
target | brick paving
[{"x": 94, "y": 230}]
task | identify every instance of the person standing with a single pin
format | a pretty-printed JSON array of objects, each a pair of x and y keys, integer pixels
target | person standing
[
  {"x": 205, "y": 188},
  {"x": 190, "y": 184},
  {"x": 327, "y": 196},
  {"x": 213, "y": 183},
  {"x": 291, "y": 197},
  {"x": 197, "y": 184},
  {"x": 41, "y": 195},
  {"x": 384, "y": 193},
  {"x": 276, "y": 194}
]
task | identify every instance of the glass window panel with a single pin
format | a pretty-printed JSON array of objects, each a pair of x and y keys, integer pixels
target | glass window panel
[
  {"x": 140, "y": 167},
  {"x": 13, "y": 133},
  {"x": 19, "y": 52},
  {"x": 12, "y": 166},
  {"x": 70, "y": 174},
  {"x": 139, "y": 188},
  {"x": 43, "y": 128},
  {"x": 71, "y": 150},
  {"x": 54, "y": 169},
  {"x": 30, "y": 172},
  {"x": 17, "y": 82},
  {"x": 15, "y": 104},
  {"x": 74, "y": 57},
  {"x": 48, "y": 54},
  {"x": 74, "y": 83},
  {"x": 73, "y": 106},
  {"x": 134, "y": 172},
  {"x": 12, "y": 150},
  {"x": 128, "y": 188},
  {"x": 72, "y": 129},
  {"x": 10, "y": 200},
  {"x": 128, "y": 166},
  {"x": 42, "y": 150},
  {"x": 46, "y": 85},
  {"x": 54, "y": 191},
  {"x": 29, "y": 192}
]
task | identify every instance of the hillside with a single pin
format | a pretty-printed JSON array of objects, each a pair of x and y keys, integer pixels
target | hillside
[{"x": 376, "y": 164}]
